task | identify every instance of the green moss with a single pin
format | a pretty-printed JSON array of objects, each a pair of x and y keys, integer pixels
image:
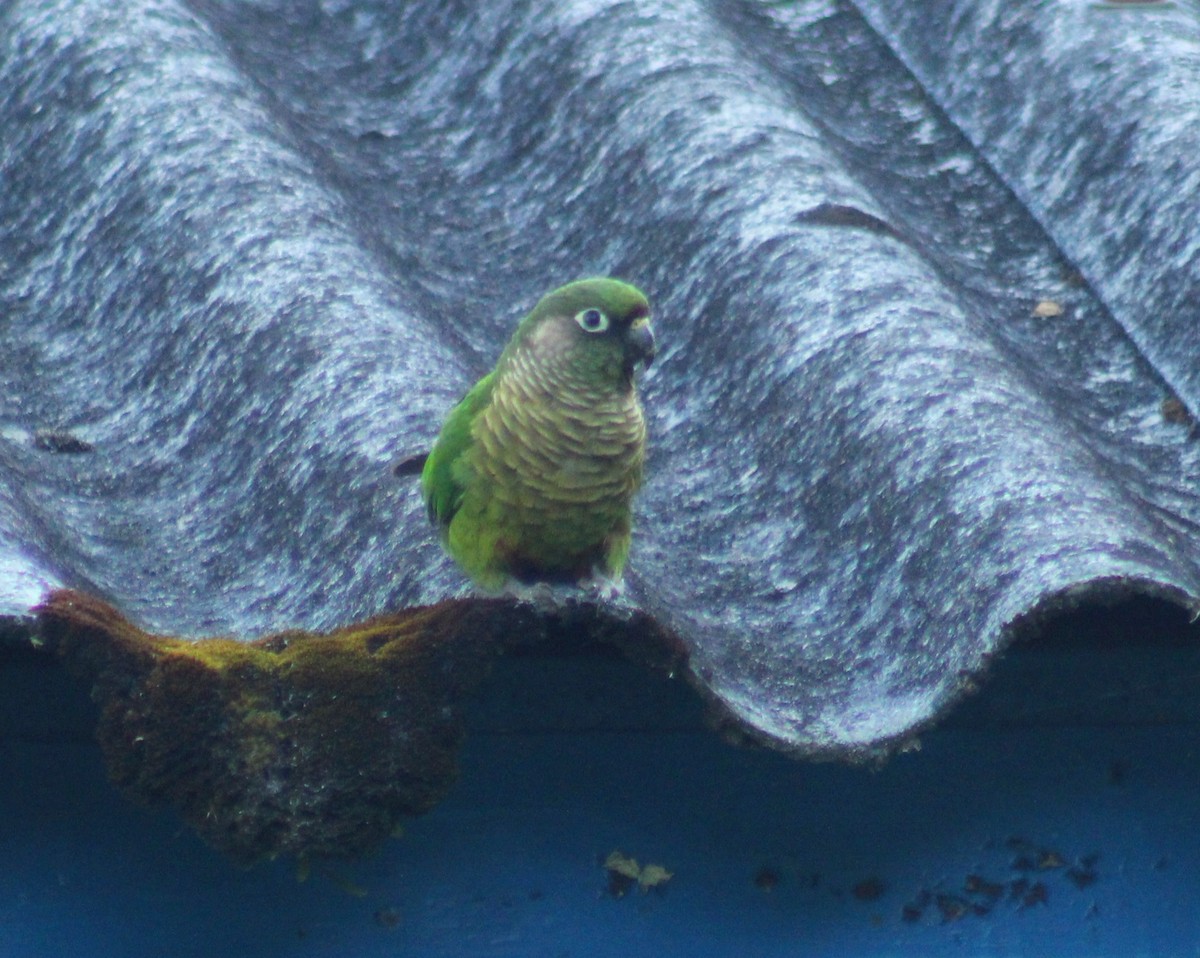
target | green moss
[{"x": 313, "y": 745}]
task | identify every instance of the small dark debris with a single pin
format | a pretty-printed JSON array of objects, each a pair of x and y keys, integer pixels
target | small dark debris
[
  {"x": 952, "y": 908},
  {"x": 536, "y": 894},
  {"x": 1083, "y": 873},
  {"x": 913, "y": 910},
  {"x": 410, "y": 465},
  {"x": 387, "y": 917},
  {"x": 1081, "y": 877},
  {"x": 869, "y": 889},
  {"x": 620, "y": 885},
  {"x": 375, "y": 642},
  {"x": 981, "y": 895},
  {"x": 1037, "y": 894},
  {"x": 1117, "y": 772},
  {"x": 60, "y": 441},
  {"x": 978, "y": 885},
  {"x": 767, "y": 878},
  {"x": 1175, "y": 412},
  {"x": 838, "y": 214}
]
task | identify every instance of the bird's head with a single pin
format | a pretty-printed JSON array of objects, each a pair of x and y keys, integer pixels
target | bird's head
[{"x": 598, "y": 327}]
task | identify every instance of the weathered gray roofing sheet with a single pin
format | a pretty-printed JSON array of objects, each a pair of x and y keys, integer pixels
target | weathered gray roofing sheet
[{"x": 251, "y": 252}]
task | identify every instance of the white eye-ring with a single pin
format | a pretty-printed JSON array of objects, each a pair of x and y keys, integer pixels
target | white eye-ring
[{"x": 591, "y": 320}]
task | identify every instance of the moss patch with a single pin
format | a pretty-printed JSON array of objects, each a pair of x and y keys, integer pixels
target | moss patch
[{"x": 313, "y": 745}]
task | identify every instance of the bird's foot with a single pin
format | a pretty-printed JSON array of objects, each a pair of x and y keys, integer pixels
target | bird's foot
[
  {"x": 600, "y": 588},
  {"x": 546, "y": 596},
  {"x": 540, "y": 595}
]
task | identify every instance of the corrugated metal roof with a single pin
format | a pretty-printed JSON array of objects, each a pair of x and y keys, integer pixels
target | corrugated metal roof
[{"x": 921, "y": 274}]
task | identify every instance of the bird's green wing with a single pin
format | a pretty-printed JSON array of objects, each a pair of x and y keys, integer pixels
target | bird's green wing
[{"x": 443, "y": 492}]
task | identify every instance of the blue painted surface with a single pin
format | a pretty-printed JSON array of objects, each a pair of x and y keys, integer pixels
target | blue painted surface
[{"x": 572, "y": 758}]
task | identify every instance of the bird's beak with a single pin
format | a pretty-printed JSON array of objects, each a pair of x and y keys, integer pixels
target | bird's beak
[{"x": 641, "y": 340}]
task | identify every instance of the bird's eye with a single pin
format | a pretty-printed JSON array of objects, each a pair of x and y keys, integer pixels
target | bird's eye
[{"x": 592, "y": 320}]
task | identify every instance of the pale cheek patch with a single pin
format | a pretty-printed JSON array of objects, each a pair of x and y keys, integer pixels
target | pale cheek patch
[{"x": 551, "y": 337}]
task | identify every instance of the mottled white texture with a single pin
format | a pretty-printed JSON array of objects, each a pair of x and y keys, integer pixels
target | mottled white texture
[
  {"x": 1092, "y": 115},
  {"x": 255, "y": 251}
]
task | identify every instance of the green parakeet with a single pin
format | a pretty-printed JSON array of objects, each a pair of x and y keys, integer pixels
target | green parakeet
[{"x": 534, "y": 472}]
